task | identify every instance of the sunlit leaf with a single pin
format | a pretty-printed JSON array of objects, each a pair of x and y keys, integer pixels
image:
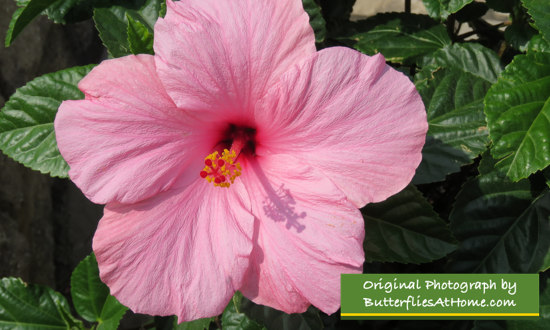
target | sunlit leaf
[
  {"x": 518, "y": 116},
  {"x": 443, "y": 8},
  {"x": 234, "y": 319},
  {"x": 400, "y": 37},
  {"x": 24, "y": 306},
  {"x": 26, "y": 121},
  {"x": 140, "y": 39},
  {"x": 471, "y": 58},
  {"x": 91, "y": 297},
  {"x": 540, "y": 11},
  {"x": 458, "y": 131},
  {"x": 112, "y": 23},
  {"x": 538, "y": 44}
]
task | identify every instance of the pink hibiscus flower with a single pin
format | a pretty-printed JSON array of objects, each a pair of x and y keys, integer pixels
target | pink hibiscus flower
[{"x": 236, "y": 158}]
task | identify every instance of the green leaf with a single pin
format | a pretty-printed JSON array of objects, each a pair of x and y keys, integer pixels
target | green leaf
[
  {"x": 59, "y": 8},
  {"x": 171, "y": 323},
  {"x": 200, "y": 324},
  {"x": 458, "y": 131},
  {"x": 471, "y": 58},
  {"x": 23, "y": 16},
  {"x": 140, "y": 39},
  {"x": 91, "y": 297},
  {"x": 400, "y": 37},
  {"x": 538, "y": 44},
  {"x": 405, "y": 229},
  {"x": 443, "y": 8},
  {"x": 275, "y": 319},
  {"x": 518, "y": 35},
  {"x": 24, "y": 306},
  {"x": 518, "y": 116},
  {"x": 500, "y": 226},
  {"x": 112, "y": 23},
  {"x": 316, "y": 19},
  {"x": 234, "y": 319},
  {"x": 26, "y": 121},
  {"x": 545, "y": 263},
  {"x": 30, "y": 9},
  {"x": 543, "y": 322},
  {"x": 113, "y": 30},
  {"x": 540, "y": 11}
]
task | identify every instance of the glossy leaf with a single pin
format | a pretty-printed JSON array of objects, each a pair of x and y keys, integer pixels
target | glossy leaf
[
  {"x": 443, "y": 8},
  {"x": 538, "y": 44},
  {"x": 140, "y": 39},
  {"x": 500, "y": 226},
  {"x": 458, "y": 131},
  {"x": 518, "y": 35},
  {"x": 316, "y": 19},
  {"x": 26, "y": 121},
  {"x": 400, "y": 37},
  {"x": 405, "y": 229},
  {"x": 540, "y": 11},
  {"x": 59, "y": 8},
  {"x": 23, "y": 16},
  {"x": 471, "y": 58},
  {"x": 91, "y": 297},
  {"x": 112, "y": 23},
  {"x": 234, "y": 319},
  {"x": 275, "y": 319},
  {"x": 24, "y": 306},
  {"x": 518, "y": 116}
]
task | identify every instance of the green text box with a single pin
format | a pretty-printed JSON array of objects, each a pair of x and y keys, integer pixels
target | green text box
[{"x": 440, "y": 296}]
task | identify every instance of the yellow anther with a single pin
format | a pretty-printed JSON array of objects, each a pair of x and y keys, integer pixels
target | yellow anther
[{"x": 220, "y": 170}]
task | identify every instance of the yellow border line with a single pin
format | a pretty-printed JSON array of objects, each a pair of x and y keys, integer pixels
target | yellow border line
[{"x": 439, "y": 314}]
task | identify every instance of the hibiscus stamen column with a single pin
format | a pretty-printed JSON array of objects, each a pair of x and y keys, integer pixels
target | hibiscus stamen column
[{"x": 222, "y": 170}]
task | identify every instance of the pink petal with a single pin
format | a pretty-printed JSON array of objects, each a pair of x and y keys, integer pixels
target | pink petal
[
  {"x": 306, "y": 235},
  {"x": 127, "y": 140},
  {"x": 182, "y": 252},
  {"x": 222, "y": 55},
  {"x": 362, "y": 123}
]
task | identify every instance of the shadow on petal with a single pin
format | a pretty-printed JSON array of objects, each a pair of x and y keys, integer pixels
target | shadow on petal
[{"x": 279, "y": 205}]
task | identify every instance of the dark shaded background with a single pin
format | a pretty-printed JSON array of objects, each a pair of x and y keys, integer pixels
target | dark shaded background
[{"x": 46, "y": 224}]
